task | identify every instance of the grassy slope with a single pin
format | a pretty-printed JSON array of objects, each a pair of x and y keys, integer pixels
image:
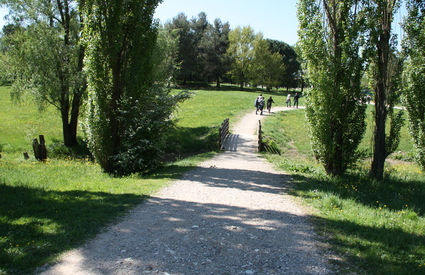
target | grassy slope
[
  {"x": 378, "y": 226},
  {"x": 47, "y": 208}
]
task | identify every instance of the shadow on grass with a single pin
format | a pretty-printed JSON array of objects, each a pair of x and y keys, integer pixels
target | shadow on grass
[
  {"x": 376, "y": 250},
  {"x": 185, "y": 141},
  {"x": 58, "y": 150},
  {"x": 37, "y": 224},
  {"x": 380, "y": 249},
  {"x": 394, "y": 192}
]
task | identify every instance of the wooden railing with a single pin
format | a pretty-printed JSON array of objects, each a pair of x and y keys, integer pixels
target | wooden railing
[
  {"x": 264, "y": 146},
  {"x": 223, "y": 132}
]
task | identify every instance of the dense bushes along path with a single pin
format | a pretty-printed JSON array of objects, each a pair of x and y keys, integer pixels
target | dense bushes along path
[{"x": 228, "y": 216}]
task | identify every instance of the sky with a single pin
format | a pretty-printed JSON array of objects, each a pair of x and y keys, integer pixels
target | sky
[{"x": 275, "y": 19}]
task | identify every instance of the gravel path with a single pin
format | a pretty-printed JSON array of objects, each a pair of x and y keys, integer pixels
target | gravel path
[{"x": 228, "y": 216}]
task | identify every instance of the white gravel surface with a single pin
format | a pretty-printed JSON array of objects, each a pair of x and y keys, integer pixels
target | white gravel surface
[{"x": 228, "y": 216}]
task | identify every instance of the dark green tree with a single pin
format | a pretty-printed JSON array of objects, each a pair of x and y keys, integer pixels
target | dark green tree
[
  {"x": 186, "y": 48},
  {"x": 289, "y": 78},
  {"x": 128, "y": 110},
  {"x": 212, "y": 51},
  {"x": 329, "y": 34}
]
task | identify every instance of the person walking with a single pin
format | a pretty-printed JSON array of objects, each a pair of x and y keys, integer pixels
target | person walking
[
  {"x": 288, "y": 100},
  {"x": 296, "y": 97},
  {"x": 269, "y": 103},
  {"x": 259, "y": 104}
]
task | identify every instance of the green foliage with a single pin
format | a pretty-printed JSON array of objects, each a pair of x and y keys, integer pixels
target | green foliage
[
  {"x": 45, "y": 57},
  {"x": 165, "y": 56},
  {"x": 267, "y": 67},
  {"x": 241, "y": 52},
  {"x": 414, "y": 76},
  {"x": 212, "y": 51},
  {"x": 289, "y": 77},
  {"x": 128, "y": 109},
  {"x": 334, "y": 68}
]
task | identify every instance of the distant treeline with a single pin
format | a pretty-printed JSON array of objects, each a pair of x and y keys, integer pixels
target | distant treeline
[{"x": 213, "y": 52}]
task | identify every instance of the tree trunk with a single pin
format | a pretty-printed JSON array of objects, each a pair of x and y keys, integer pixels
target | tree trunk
[
  {"x": 218, "y": 82},
  {"x": 383, "y": 50}
]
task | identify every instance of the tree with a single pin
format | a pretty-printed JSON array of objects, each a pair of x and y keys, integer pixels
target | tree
[
  {"x": 128, "y": 109},
  {"x": 380, "y": 15},
  {"x": 46, "y": 57},
  {"x": 329, "y": 40},
  {"x": 186, "y": 47},
  {"x": 289, "y": 78},
  {"x": 165, "y": 56},
  {"x": 190, "y": 34},
  {"x": 267, "y": 67},
  {"x": 241, "y": 52},
  {"x": 414, "y": 75},
  {"x": 212, "y": 51}
]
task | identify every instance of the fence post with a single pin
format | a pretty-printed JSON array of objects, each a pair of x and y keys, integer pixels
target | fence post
[
  {"x": 40, "y": 151},
  {"x": 223, "y": 132},
  {"x": 259, "y": 136}
]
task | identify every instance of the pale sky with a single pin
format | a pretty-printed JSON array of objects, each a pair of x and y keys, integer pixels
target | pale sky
[{"x": 276, "y": 19}]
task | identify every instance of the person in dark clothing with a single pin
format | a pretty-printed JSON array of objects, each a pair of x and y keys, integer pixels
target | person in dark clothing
[
  {"x": 259, "y": 104},
  {"x": 296, "y": 97},
  {"x": 269, "y": 103}
]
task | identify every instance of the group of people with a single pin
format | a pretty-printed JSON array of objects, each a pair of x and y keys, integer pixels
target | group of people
[
  {"x": 260, "y": 102},
  {"x": 288, "y": 100}
]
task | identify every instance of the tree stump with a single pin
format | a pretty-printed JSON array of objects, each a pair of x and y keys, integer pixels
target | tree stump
[{"x": 40, "y": 151}]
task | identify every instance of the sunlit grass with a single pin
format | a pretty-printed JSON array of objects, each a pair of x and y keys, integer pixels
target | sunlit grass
[
  {"x": 49, "y": 207},
  {"x": 378, "y": 227}
]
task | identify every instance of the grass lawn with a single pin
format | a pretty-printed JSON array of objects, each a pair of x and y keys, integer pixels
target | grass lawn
[
  {"x": 48, "y": 208},
  {"x": 377, "y": 227}
]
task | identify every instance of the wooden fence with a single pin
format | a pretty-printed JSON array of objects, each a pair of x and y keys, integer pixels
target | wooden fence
[
  {"x": 223, "y": 132},
  {"x": 271, "y": 148}
]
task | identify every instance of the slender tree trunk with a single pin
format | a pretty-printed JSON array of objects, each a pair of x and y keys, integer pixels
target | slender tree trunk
[{"x": 383, "y": 49}]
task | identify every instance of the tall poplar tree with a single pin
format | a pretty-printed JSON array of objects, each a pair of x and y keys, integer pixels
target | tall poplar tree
[
  {"x": 329, "y": 35},
  {"x": 414, "y": 75},
  {"x": 386, "y": 84},
  {"x": 128, "y": 109}
]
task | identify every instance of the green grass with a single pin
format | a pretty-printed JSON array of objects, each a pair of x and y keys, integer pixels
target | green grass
[
  {"x": 201, "y": 116},
  {"x": 376, "y": 227},
  {"x": 296, "y": 135},
  {"x": 48, "y": 208}
]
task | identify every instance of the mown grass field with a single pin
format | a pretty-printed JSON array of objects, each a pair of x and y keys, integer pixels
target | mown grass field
[
  {"x": 48, "y": 208},
  {"x": 377, "y": 227}
]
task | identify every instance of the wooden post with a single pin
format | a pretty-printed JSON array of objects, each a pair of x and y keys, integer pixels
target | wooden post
[
  {"x": 259, "y": 136},
  {"x": 40, "y": 151}
]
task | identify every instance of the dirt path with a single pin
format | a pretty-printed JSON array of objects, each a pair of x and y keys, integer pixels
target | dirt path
[{"x": 228, "y": 216}]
